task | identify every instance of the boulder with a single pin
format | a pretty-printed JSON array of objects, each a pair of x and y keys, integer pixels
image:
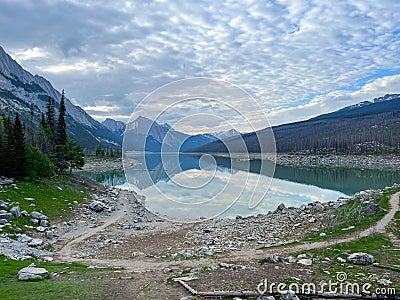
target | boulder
[
  {"x": 361, "y": 258},
  {"x": 16, "y": 211},
  {"x": 289, "y": 295},
  {"x": 272, "y": 258},
  {"x": 44, "y": 223},
  {"x": 97, "y": 206},
  {"x": 35, "y": 242},
  {"x": 3, "y": 205},
  {"x": 38, "y": 215},
  {"x": 305, "y": 261},
  {"x": 6, "y": 215},
  {"x": 371, "y": 210},
  {"x": 32, "y": 273}
]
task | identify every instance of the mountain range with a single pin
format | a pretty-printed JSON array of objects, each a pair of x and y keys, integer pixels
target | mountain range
[
  {"x": 368, "y": 127},
  {"x": 27, "y": 94}
]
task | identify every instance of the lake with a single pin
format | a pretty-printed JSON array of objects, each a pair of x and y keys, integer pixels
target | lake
[{"x": 193, "y": 186}]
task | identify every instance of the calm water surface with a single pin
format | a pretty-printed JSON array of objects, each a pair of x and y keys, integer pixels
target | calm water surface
[{"x": 188, "y": 186}]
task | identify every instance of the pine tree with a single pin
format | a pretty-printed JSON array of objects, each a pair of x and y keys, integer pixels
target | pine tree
[
  {"x": 50, "y": 115},
  {"x": 43, "y": 121},
  {"x": 19, "y": 157},
  {"x": 8, "y": 148},
  {"x": 61, "y": 126},
  {"x": 1, "y": 144}
]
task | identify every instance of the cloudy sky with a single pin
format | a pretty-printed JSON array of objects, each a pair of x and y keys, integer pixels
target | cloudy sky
[{"x": 298, "y": 59}]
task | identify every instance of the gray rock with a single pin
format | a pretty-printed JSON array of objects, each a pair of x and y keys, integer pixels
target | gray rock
[
  {"x": 281, "y": 207},
  {"x": 341, "y": 260},
  {"x": 318, "y": 206},
  {"x": 97, "y": 206},
  {"x": 5, "y": 215},
  {"x": 361, "y": 258},
  {"x": 35, "y": 242},
  {"x": 272, "y": 258},
  {"x": 23, "y": 238},
  {"x": 305, "y": 261},
  {"x": 372, "y": 210},
  {"x": 3, "y": 205},
  {"x": 188, "y": 298},
  {"x": 38, "y": 215},
  {"x": 49, "y": 234},
  {"x": 290, "y": 259},
  {"x": 29, "y": 199},
  {"x": 34, "y": 221},
  {"x": 3, "y": 221},
  {"x": 16, "y": 211},
  {"x": 44, "y": 222},
  {"x": 289, "y": 295},
  {"x": 266, "y": 298},
  {"x": 17, "y": 250},
  {"x": 300, "y": 256},
  {"x": 32, "y": 273},
  {"x": 24, "y": 213}
]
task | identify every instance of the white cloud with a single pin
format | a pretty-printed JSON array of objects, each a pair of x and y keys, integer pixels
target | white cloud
[{"x": 287, "y": 54}]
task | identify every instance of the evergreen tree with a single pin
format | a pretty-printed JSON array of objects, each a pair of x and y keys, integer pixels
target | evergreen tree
[
  {"x": 1, "y": 144},
  {"x": 38, "y": 165},
  {"x": 19, "y": 145},
  {"x": 8, "y": 148},
  {"x": 43, "y": 121},
  {"x": 61, "y": 126},
  {"x": 50, "y": 115}
]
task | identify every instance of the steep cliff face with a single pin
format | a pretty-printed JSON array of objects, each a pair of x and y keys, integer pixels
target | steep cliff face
[{"x": 24, "y": 93}]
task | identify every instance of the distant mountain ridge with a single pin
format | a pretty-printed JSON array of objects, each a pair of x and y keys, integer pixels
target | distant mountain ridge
[
  {"x": 368, "y": 127},
  {"x": 20, "y": 91},
  {"x": 144, "y": 134},
  {"x": 116, "y": 127}
]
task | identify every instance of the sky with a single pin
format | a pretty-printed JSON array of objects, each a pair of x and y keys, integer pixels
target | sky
[{"x": 297, "y": 59}]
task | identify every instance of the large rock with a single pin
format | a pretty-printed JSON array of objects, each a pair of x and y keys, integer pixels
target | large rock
[
  {"x": 16, "y": 211},
  {"x": 305, "y": 261},
  {"x": 361, "y": 258},
  {"x": 289, "y": 295},
  {"x": 32, "y": 273},
  {"x": 38, "y": 215},
  {"x": 372, "y": 210},
  {"x": 5, "y": 215},
  {"x": 3, "y": 205},
  {"x": 97, "y": 206}
]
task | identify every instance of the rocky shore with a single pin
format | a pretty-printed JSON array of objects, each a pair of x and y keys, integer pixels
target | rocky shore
[{"x": 387, "y": 162}]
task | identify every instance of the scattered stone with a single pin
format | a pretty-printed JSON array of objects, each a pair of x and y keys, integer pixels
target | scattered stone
[
  {"x": 322, "y": 234},
  {"x": 188, "y": 298},
  {"x": 38, "y": 215},
  {"x": 384, "y": 282},
  {"x": 35, "y": 242},
  {"x": 29, "y": 199},
  {"x": 341, "y": 260},
  {"x": 300, "y": 256},
  {"x": 32, "y": 273},
  {"x": 371, "y": 210},
  {"x": 44, "y": 223},
  {"x": 97, "y": 206},
  {"x": 290, "y": 259},
  {"x": 272, "y": 258},
  {"x": 266, "y": 298},
  {"x": 361, "y": 258},
  {"x": 49, "y": 234},
  {"x": 5, "y": 215},
  {"x": 16, "y": 211},
  {"x": 24, "y": 213},
  {"x": 289, "y": 295},
  {"x": 3, "y": 205},
  {"x": 305, "y": 261}
]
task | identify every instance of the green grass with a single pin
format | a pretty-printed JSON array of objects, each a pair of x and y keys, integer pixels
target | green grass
[
  {"x": 48, "y": 198},
  {"x": 74, "y": 281},
  {"x": 345, "y": 221},
  {"x": 371, "y": 244}
]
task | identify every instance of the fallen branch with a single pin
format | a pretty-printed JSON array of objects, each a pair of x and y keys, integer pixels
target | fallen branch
[{"x": 276, "y": 294}]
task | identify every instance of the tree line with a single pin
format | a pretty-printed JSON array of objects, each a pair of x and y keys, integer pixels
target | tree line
[{"x": 31, "y": 152}]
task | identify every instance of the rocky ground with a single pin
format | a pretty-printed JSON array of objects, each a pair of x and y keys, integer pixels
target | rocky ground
[{"x": 386, "y": 162}]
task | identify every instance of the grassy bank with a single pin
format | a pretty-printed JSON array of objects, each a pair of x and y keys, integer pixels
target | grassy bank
[
  {"x": 67, "y": 281},
  {"x": 54, "y": 197}
]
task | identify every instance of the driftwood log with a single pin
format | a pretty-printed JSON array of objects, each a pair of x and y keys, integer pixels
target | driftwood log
[{"x": 276, "y": 294}]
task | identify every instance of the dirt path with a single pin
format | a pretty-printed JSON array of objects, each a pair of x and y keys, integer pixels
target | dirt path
[
  {"x": 123, "y": 209},
  {"x": 143, "y": 264}
]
